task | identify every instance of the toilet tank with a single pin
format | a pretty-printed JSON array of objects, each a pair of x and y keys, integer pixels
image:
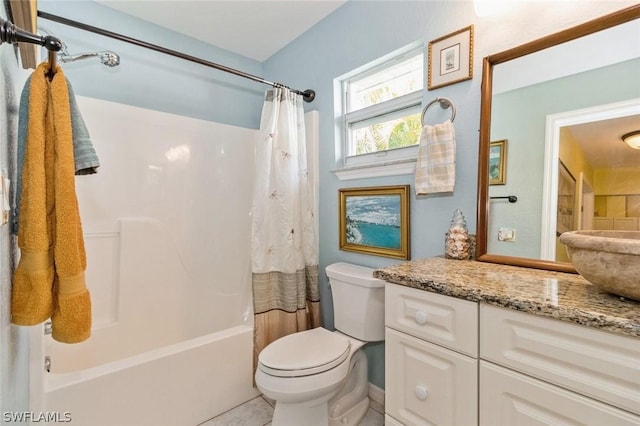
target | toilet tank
[{"x": 358, "y": 301}]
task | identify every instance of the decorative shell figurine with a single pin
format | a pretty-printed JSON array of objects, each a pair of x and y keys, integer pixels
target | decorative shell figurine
[{"x": 457, "y": 241}]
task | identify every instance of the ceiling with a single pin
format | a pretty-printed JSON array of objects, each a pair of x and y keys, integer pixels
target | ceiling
[
  {"x": 601, "y": 143},
  {"x": 252, "y": 28}
]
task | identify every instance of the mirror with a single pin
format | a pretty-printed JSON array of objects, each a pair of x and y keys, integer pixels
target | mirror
[{"x": 541, "y": 102}]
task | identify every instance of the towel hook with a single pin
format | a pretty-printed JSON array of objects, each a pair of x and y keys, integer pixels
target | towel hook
[{"x": 444, "y": 104}]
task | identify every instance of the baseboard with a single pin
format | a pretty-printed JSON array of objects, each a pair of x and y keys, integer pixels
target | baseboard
[{"x": 376, "y": 398}]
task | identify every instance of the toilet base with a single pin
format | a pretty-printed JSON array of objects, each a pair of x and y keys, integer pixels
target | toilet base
[
  {"x": 300, "y": 414},
  {"x": 350, "y": 404},
  {"x": 353, "y": 416},
  {"x": 297, "y": 414}
]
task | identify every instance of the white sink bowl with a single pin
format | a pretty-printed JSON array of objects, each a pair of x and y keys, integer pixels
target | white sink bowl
[{"x": 607, "y": 259}]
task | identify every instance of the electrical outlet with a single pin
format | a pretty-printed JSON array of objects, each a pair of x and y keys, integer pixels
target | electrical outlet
[{"x": 506, "y": 234}]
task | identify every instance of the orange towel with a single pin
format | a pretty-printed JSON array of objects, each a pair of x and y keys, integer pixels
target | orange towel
[{"x": 49, "y": 280}]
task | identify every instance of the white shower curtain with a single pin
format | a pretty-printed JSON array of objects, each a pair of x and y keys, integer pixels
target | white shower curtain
[{"x": 284, "y": 255}]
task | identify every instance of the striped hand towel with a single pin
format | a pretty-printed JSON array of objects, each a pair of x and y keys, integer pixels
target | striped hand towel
[{"x": 436, "y": 164}]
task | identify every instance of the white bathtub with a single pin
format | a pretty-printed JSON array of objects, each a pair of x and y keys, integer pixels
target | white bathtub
[{"x": 182, "y": 384}]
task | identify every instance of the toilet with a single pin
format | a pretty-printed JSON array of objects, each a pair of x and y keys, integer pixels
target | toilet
[{"x": 319, "y": 377}]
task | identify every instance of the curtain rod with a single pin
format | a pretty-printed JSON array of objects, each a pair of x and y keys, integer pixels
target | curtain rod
[
  {"x": 12, "y": 34},
  {"x": 308, "y": 95}
]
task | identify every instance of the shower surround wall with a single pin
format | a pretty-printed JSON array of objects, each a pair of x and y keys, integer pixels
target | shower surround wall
[{"x": 167, "y": 231}]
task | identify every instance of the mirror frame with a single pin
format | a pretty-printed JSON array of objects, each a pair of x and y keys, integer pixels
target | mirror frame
[{"x": 589, "y": 27}]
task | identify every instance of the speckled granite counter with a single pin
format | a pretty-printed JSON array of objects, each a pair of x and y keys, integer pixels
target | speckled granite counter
[{"x": 563, "y": 296}]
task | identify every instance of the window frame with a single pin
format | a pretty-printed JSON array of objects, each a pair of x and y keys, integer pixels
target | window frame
[{"x": 410, "y": 102}]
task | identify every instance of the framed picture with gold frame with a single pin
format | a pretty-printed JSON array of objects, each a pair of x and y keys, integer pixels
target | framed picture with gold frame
[
  {"x": 375, "y": 220},
  {"x": 498, "y": 162},
  {"x": 451, "y": 58}
]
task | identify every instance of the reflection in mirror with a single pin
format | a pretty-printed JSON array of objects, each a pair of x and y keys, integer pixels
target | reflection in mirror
[
  {"x": 592, "y": 178},
  {"x": 561, "y": 103}
]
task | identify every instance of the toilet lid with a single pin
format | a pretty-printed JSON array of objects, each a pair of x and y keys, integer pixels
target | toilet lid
[{"x": 304, "y": 353}]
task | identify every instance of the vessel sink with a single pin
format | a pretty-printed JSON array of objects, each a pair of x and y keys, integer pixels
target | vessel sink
[{"x": 607, "y": 259}]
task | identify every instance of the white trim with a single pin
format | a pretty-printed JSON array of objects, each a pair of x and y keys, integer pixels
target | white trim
[
  {"x": 552, "y": 147},
  {"x": 395, "y": 108},
  {"x": 376, "y": 397},
  {"x": 312, "y": 129},
  {"x": 388, "y": 156},
  {"x": 384, "y": 108},
  {"x": 377, "y": 170},
  {"x": 550, "y": 189}
]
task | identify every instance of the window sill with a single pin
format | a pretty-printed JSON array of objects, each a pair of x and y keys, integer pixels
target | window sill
[{"x": 377, "y": 170}]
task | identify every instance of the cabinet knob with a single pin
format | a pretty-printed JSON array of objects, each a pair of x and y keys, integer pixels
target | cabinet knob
[
  {"x": 420, "y": 317},
  {"x": 421, "y": 392}
]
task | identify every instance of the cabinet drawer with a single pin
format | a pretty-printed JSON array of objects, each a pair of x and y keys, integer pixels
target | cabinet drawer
[
  {"x": 508, "y": 398},
  {"x": 439, "y": 319},
  {"x": 594, "y": 363},
  {"x": 428, "y": 384}
]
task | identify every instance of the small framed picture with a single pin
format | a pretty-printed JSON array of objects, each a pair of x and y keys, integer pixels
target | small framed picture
[
  {"x": 498, "y": 163},
  {"x": 451, "y": 58},
  {"x": 375, "y": 220}
]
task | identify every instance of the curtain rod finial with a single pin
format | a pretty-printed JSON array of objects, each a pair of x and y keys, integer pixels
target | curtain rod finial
[
  {"x": 52, "y": 43},
  {"x": 309, "y": 95}
]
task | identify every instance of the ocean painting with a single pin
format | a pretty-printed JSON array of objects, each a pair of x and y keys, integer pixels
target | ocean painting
[{"x": 374, "y": 220}]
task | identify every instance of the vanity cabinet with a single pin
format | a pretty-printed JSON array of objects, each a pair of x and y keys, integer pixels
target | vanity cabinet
[
  {"x": 514, "y": 399},
  {"x": 535, "y": 369},
  {"x": 455, "y": 362}
]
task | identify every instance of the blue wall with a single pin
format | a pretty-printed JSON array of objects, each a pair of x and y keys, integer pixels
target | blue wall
[
  {"x": 362, "y": 31},
  {"x": 352, "y": 36},
  {"x": 150, "y": 79}
]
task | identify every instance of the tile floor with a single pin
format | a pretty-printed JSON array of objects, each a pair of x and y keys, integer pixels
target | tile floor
[{"x": 258, "y": 412}]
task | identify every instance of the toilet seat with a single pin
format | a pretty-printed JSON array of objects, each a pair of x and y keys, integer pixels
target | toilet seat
[{"x": 305, "y": 353}]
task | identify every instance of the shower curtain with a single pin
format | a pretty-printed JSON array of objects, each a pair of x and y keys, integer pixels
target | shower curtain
[{"x": 284, "y": 254}]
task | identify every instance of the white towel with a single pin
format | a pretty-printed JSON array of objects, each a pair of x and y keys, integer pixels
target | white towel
[{"x": 436, "y": 164}]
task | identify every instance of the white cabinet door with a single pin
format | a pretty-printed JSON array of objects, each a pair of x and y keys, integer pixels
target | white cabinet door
[
  {"x": 600, "y": 365},
  {"x": 508, "y": 398},
  {"x": 427, "y": 384}
]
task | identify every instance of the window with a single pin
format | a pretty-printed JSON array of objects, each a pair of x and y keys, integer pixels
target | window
[{"x": 382, "y": 111}]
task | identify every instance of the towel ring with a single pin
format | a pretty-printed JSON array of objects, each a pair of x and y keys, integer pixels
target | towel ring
[{"x": 444, "y": 104}]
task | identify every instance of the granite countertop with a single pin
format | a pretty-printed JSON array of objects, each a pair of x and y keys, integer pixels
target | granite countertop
[{"x": 564, "y": 296}]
